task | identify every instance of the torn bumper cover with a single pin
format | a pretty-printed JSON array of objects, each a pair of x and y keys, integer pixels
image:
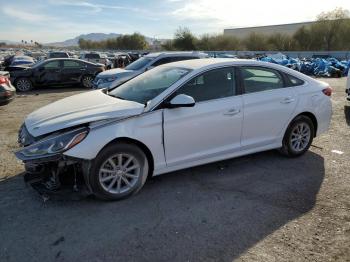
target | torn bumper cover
[{"x": 48, "y": 170}]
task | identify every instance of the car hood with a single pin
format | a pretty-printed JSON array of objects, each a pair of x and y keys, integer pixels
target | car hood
[
  {"x": 79, "y": 109},
  {"x": 115, "y": 72}
]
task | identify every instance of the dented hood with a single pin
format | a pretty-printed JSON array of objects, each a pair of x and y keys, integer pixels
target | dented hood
[{"x": 79, "y": 109}]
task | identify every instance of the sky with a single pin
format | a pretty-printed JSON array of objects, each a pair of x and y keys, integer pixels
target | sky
[{"x": 47, "y": 21}]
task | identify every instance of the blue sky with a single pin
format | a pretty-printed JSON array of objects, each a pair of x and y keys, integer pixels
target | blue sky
[{"x": 57, "y": 20}]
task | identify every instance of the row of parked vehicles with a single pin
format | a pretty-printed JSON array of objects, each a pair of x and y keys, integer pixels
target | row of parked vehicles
[{"x": 87, "y": 72}]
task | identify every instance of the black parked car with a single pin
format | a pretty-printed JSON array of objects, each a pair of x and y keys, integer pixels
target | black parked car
[
  {"x": 56, "y": 72},
  {"x": 7, "y": 91}
]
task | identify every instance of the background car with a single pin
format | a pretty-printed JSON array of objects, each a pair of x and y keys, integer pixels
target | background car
[
  {"x": 114, "y": 77},
  {"x": 15, "y": 63},
  {"x": 7, "y": 91},
  {"x": 54, "y": 72},
  {"x": 96, "y": 58},
  {"x": 58, "y": 55}
]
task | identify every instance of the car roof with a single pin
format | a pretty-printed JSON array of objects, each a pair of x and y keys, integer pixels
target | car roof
[
  {"x": 64, "y": 58},
  {"x": 174, "y": 53},
  {"x": 207, "y": 63},
  {"x": 199, "y": 63},
  {"x": 69, "y": 59}
]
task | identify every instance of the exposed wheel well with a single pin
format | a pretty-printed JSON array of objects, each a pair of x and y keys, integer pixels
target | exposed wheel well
[
  {"x": 313, "y": 119},
  {"x": 141, "y": 145}
]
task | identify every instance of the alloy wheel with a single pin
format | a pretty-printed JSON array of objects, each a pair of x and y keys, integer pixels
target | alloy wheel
[
  {"x": 300, "y": 137},
  {"x": 87, "y": 81},
  {"x": 119, "y": 173},
  {"x": 23, "y": 85}
]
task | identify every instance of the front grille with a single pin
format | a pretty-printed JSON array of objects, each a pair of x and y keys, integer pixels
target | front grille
[{"x": 24, "y": 138}]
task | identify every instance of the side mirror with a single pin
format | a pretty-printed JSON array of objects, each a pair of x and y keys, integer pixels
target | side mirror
[
  {"x": 181, "y": 101},
  {"x": 149, "y": 68}
]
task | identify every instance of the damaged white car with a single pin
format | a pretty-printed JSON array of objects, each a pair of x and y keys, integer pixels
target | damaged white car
[{"x": 172, "y": 117}]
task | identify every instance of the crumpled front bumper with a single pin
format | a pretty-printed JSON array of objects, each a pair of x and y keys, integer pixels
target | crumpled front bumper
[{"x": 61, "y": 179}]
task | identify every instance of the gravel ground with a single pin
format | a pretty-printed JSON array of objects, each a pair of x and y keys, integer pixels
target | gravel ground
[{"x": 261, "y": 207}]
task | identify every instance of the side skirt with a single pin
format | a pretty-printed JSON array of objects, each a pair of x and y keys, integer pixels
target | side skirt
[{"x": 215, "y": 159}]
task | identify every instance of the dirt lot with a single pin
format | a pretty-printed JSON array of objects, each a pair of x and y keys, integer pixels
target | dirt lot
[{"x": 262, "y": 207}]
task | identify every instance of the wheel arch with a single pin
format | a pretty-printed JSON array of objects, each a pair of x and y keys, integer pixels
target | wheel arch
[{"x": 139, "y": 144}]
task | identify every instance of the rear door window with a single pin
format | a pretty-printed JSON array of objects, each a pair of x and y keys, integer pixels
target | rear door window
[
  {"x": 71, "y": 64},
  {"x": 258, "y": 79}
]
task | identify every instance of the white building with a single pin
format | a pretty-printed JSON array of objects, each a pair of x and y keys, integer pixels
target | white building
[{"x": 288, "y": 29}]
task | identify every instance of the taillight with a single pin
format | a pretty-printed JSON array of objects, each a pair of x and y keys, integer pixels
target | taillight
[
  {"x": 7, "y": 94},
  {"x": 3, "y": 80},
  {"x": 327, "y": 91}
]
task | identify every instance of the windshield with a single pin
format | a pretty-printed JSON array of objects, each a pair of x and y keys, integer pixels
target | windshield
[
  {"x": 148, "y": 85},
  {"x": 139, "y": 63}
]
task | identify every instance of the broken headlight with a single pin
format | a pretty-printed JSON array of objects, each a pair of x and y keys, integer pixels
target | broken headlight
[{"x": 53, "y": 145}]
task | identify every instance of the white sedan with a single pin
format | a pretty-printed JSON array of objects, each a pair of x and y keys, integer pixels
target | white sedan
[{"x": 172, "y": 117}]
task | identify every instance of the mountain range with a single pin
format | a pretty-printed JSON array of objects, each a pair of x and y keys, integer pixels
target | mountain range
[{"x": 91, "y": 36}]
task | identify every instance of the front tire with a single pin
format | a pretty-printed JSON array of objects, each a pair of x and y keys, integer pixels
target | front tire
[
  {"x": 87, "y": 80},
  {"x": 298, "y": 137},
  {"x": 119, "y": 171},
  {"x": 23, "y": 85}
]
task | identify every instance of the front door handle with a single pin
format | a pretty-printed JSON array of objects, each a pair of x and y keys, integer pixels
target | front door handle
[
  {"x": 232, "y": 112},
  {"x": 288, "y": 100}
]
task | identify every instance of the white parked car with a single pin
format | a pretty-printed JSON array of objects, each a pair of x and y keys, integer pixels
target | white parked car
[{"x": 172, "y": 117}]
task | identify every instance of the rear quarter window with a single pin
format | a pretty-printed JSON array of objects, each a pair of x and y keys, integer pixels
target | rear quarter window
[{"x": 293, "y": 81}]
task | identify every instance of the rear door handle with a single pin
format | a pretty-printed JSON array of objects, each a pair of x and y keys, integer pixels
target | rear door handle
[
  {"x": 287, "y": 100},
  {"x": 232, "y": 112}
]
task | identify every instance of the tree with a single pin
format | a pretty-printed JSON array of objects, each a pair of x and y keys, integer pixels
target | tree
[
  {"x": 184, "y": 40},
  {"x": 256, "y": 42},
  {"x": 135, "y": 41},
  {"x": 329, "y": 27},
  {"x": 168, "y": 45},
  {"x": 218, "y": 42},
  {"x": 281, "y": 42}
]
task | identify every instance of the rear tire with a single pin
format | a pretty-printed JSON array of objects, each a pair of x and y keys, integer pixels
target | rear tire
[
  {"x": 298, "y": 137},
  {"x": 23, "y": 84},
  {"x": 119, "y": 171}
]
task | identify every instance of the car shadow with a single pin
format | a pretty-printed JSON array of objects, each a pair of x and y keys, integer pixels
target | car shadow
[
  {"x": 211, "y": 212},
  {"x": 347, "y": 114}
]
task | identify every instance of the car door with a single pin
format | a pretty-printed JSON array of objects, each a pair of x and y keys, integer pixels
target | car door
[
  {"x": 212, "y": 127},
  {"x": 268, "y": 106},
  {"x": 49, "y": 73},
  {"x": 72, "y": 71}
]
